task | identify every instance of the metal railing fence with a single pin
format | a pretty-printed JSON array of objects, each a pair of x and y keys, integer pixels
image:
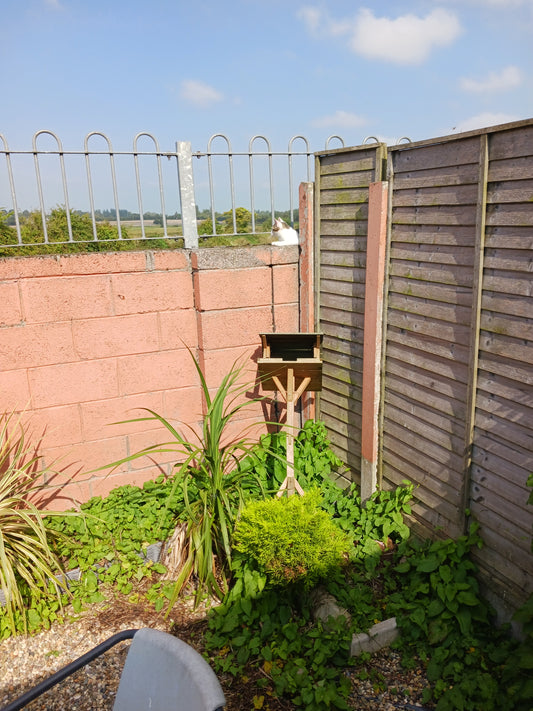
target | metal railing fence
[{"x": 176, "y": 183}]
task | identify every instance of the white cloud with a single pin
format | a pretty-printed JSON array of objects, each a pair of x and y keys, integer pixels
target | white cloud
[
  {"x": 483, "y": 121},
  {"x": 199, "y": 94},
  {"x": 340, "y": 119},
  {"x": 507, "y": 78},
  {"x": 53, "y": 4},
  {"x": 407, "y": 39},
  {"x": 311, "y": 17}
]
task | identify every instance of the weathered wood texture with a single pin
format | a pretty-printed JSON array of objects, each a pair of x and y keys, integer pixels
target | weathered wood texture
[
  {"x": 457, "y": 411},
  {"x": 502, "y": 454},
  {"x": 458, "y": 397},
  {"x": 343, "y": 179}
]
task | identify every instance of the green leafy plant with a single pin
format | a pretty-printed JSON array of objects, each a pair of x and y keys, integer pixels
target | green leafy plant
[
  {"x": 518, "y": 665},
  {"x": 291, "y": 539},
  {"x": 315, "y": 463},
  {"x": 443, "y": 617},
  {"x": 108, "y": 541},
  {"x": 261, "y": 629},
  {"x": 262, "y": 625},
  {"x": 27, "y": 564},
  {"x": 125, "y": 522}
]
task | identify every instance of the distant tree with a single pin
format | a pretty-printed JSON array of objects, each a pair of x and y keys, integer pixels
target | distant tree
[
  {"x": 205, "y": 227},
  {"x": 243, "y": 220},
  {"x": 57, "y": 227},
  {"x": 7, "y": 234},
  {"x": 31, "y": 227}
]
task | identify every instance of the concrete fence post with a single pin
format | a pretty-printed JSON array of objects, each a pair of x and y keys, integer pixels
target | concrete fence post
[
  {"x": 373, "y": 333},
  {"x": 187, "y": 197},
  {"x": 306, "y": 277}
]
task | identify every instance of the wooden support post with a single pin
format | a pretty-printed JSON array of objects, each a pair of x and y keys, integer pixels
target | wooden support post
[
  {"x": 373, "y": 326},
  {"x": 291, "y": 396}
]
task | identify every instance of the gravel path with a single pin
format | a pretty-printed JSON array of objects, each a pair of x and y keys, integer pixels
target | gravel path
[{"x": 26, "y": 660}]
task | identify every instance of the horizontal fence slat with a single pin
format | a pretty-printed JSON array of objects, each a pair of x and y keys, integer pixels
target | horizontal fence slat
[
  {"x": 438, "y": 215},
  {"x": 507, "y": 510},
  {"x": 459, "y": 152},
  {"x": 432, "y": 254},
  {"x": 355, "y": 212},
  {"x": 430, "y": 308},
  {"x": 453, "y": 351},
  {"x": 435, "y": 178},
  {"x": 457, "y": 236},
  {"x": 515, "y": 392},
  {"x": 509, "y": 284},
  {"x": 509, "y": 259},
  {"x": 427, "y": 411},
  {"x": 340, "y": 196},
  {"x": 513, "y": 461},
  {"x": 454, "y": 333},
  {"x": 508, "y": 326},
  {"x": 358, "y": 179},
  {"x": 519, "y": 214},
  {"x": 443, "y": 394},
  {"x": 513, "y": 143},
  {"x": 458, "y": 276},
  {"x": 511, "y": 304},
  {"x": 431, "y": 197},
  {"x": 511, "y": 169},
  {"x": 344, "y": 228},
  {"x": 355, "y": 289},
  {"x": 430, "y": 291},
  {"x": 510, "y": 191},
  {"x": 509, "y": 347},
  {"x": 422, "y": 446}
]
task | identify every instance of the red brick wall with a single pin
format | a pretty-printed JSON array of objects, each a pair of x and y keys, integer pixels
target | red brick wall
[{"x": 87, "y": 340}]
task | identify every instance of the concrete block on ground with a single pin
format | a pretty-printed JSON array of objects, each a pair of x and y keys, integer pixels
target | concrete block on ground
[{"x": 379, "y": 636}]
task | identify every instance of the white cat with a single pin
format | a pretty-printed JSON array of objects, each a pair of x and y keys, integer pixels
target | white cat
[{"x": 283, "y": 233}]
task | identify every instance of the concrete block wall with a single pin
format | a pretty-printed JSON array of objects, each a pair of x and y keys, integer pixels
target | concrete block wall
[{"x": 88, "y": 340}]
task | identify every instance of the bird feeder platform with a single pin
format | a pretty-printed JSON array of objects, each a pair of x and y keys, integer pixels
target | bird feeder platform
[{"x": 290, "y": 364}]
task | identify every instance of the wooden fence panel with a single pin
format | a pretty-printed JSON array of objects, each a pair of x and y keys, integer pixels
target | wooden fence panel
[
  {"x": 457, "y": 379},
  {"x": 433, "y": 221},
  {"x": 343, "y": 178},
  {"x": 502, "y": 455},
  {"x": 458, "y": 396}
]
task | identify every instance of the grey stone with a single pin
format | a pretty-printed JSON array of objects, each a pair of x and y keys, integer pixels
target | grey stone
[
  {"x": 379, "y": 635},
  {"x": 324, "y": 606}
]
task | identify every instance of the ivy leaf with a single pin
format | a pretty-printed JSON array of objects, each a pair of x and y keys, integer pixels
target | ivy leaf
[
  {"x": 428, "y": 565},
  {"x": 246, "y": 605}
]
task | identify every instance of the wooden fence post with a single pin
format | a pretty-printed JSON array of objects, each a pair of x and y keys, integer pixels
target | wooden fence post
[{"x": 373, "y": 331}]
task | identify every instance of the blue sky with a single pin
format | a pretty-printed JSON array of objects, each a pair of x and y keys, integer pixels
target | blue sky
[{"x": 188, "y": 70}]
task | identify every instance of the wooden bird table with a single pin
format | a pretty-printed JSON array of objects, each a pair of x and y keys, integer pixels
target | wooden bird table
[{"x": 290, "y": 364}]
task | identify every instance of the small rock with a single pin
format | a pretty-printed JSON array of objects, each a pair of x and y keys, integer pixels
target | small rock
[{"x": 324, "y": 606}]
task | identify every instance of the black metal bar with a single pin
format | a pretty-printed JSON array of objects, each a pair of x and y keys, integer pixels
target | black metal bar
[{"x": 67, "y": 670}]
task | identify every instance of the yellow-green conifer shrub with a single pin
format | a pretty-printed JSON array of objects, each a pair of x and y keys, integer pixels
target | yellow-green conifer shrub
[{"x": 291, "y": 539}]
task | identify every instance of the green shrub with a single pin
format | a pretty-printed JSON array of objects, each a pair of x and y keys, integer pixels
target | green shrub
[
  {"x": 212, "y": 484},
  {"x": 291, "y": 539},
  {"x": 28, "y": 565}
]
